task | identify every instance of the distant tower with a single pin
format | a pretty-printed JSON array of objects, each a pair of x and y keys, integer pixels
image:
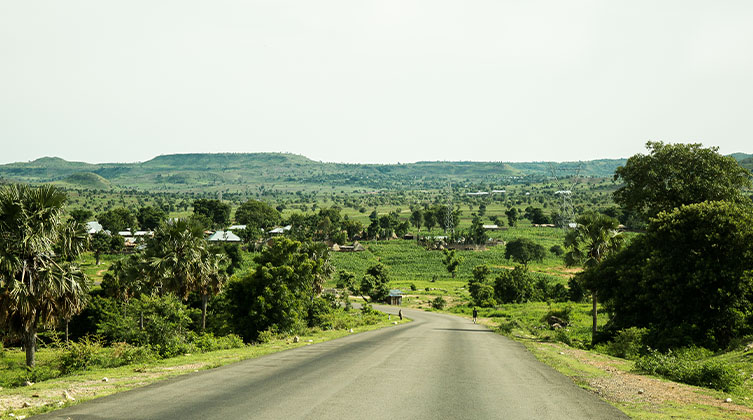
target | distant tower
[
  {"x": 565, "y": 191},
  {"x": 448, "y": 220}
]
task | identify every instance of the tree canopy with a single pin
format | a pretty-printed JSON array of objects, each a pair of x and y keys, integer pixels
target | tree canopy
[
  {"x": 524, "y": 250},
  {"x": 257, "y": 214},
  {"x": 675, "y": 174},
  {"x": 689, "y": 279},
  {"x": 37, "y": 287}
]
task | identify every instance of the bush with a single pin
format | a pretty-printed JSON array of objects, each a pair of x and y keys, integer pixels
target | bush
[
  {"x": 413, "y": 287},
  {"x": 628, "y": 343},
  {"x": 267, "y": 336},
  {"x": 557, "y": 250},
  {"x": 205, "y": 342},
  {"x": 80, "y": 355},
  {"x": 685, "y": 366},
  {"x": 126, "y": 354},
  {"x": 438, "y": 303}
]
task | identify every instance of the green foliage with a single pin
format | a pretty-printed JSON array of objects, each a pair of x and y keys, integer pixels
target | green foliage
[
  {"x": 150, "y": 217},
  {"x": 557, "y": 250},
  {"x": 536, "y": 215},
  {"x": 81, "y": 215},
  {"x": 375, "y": 284},
  {"x": 277, "y": 293},
  {"x": 477, "y": 233},
  {"x": 688, "y": 279},
  {"x": 117, "y": 219},
  {"x": 217, "y": 212},
  {"x": 257, "y": 214},
  {"x": 160, "y": 322},
  {"x": 672, "y": 175},
  {"x": 36, "y": 288},
  {"x": 514, "y": 286},
  {"x": 451, "y": 261},
  {"x": 80, "y": 355},
  {"x": 685, "y": 365},
  {"x": 524, "y": 250},
  {"x": 628, "y": 343},
  {"x": 438, "y": 303}
]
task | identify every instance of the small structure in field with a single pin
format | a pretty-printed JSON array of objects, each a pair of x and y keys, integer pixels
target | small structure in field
[
  {"x": 395, "y": 298},
  {"x": 224, "y": 236},
  {"x": 490, "y": 227}
]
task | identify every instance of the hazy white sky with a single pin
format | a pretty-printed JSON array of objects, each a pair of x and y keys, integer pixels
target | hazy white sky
[{"x": 374, "y": 80}]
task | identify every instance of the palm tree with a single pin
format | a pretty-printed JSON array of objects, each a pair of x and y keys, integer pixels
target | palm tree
[
  {"x": 213, "y": 278},
  {"x": 36, "y": 289},
  {"x": 175, "y": 257},
  {"x": 594, "y": 238}
]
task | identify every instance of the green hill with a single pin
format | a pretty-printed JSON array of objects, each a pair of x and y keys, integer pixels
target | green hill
[
  {"x": 286, "y": 171},
  {"x": 87, "y": 180}
]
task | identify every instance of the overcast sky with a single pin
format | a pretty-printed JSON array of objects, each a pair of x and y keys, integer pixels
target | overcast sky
[{"x": 373, "y": 81}]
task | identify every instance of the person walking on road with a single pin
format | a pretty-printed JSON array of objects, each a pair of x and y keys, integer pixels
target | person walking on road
[
  {"x": 475, "y": 314},
  {"x": 400, "y": 314}
]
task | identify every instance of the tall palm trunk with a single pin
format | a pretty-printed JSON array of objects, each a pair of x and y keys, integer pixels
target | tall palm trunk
[
  {"x": 593, "y": 328},
  {"x": 29, "y": 341},
  {"x": 204, "y": 299}
]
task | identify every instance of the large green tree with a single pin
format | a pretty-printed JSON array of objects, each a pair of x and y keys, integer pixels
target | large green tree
[
  {"x": 689, "y": 279},
  {"x": 594, "y": 238},
  {"x": 524, "y": 250},
  {"x": 117, "y": 219},
  {"x": 37, "y": 288},
  {"x": 671, "y": 175},
  {"x": 257, "y": 214},
  {"x": 216, "y": 211},
  {"x": 276, "y": 294}
]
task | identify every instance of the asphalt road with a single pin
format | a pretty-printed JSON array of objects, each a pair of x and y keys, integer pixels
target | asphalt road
[{"x": 437, "y": 367}]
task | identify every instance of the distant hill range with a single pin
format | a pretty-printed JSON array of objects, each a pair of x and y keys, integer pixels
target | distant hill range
[{"x": 240, "y": 171}]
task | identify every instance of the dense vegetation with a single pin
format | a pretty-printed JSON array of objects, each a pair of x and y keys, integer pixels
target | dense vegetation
[{"x": 659, "y": 257}]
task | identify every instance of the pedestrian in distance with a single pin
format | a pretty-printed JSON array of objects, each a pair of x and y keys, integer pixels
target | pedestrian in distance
[
  {"x": 400, "y": 314},
  {"x": 475, "y": 314}
]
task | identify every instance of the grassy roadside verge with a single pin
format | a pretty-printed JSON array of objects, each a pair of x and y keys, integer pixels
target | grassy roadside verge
[{"x": 17, "y": 403}]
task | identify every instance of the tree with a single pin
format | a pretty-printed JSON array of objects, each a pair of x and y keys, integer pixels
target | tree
[
  {"x": 216, "y": 211},
  {"x": 536, "y": 215},
  {"x": 100, "y": 242},
  {"x": 210, "y": 282},
  {"x": 117, "y": 219},
  {"x": 430, "y": 219},
  {"x": 477, "y": 232},
  {"x": 374, "y": 284},
  {"x": 514, "y": 286},
  {"x": 523, "y": 251},
  {"x": 451, "y": 261},
  {"x": 276, "y": 294},
  {"x": 675, "y": 174},
  {"x": 689, "y": 279},
  {"x": 35, "y": 288},
  {"x": 481, "y": 292},
  {"x": 150, "y": 217},
  {"x": 80, "y": 215},
  {"x": 512, "y": 216},
  {"x": 175, "y": 255},
  {"x": 417, "y": 218},
  {"x": 257, "y": 214},
  {"x": 593, "y": 239}
]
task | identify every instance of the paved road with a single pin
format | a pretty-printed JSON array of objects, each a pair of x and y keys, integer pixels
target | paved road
[{"x": 437, "y": 367}]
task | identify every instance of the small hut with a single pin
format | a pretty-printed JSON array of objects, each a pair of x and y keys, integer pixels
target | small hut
[{"x": 395, "y": 298}]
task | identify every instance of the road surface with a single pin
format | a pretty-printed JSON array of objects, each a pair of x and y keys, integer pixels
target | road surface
[{"x": 437, "y": 367}]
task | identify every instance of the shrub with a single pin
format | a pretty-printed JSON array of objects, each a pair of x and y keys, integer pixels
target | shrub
[
  {"x": 80, "y": 355},
  {"x": 628, "y": 343},
  {"x": 266, "y": 336},
  {"x": 413, "y": 287},
  {"x": 557, "y": 250},
  {"x": 685, "y": 366},
  {"x": 126, "y": 354},
  {"x": 438, "y": 303},
  {"x": 205, "y": 342}
]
